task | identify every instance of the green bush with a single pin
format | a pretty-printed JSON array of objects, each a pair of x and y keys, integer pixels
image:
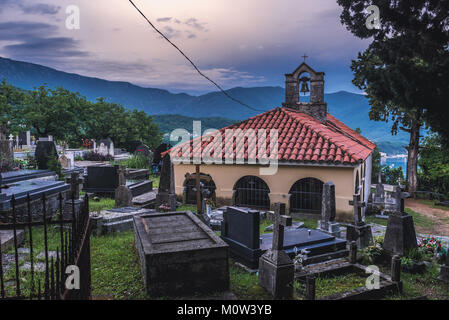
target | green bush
[
  {"x": 137, "y": 162},
  {"x": 54, "y": 165}
]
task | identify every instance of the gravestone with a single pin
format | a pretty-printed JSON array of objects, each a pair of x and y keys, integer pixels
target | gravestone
[
  {"x": 101, "y": 179},
  {"x": 63, "y": 159},
  {"x": 73, "y": 203},
  {"x": 444, "y": 271},
  {"x": 166, "y": 193},
  {"x": 23, "y": 138},
  {"x": 123, "y": 196},
  {"x": 240, "y": 230},
  {"x": 359, "y": 231},
  {"x": 131, "y": 146},
  {"x": 380, "y": 190},
  {"x": 6, "y": 155},
  {"x": 276, "y": 269},
  {"x": 106, "y": 147},
  {"x": 143, "y": 150},
  {"x": 400, "y": 235},
  {"x": 45, "y": 151},
  {"x": 327, "y": 223},
  {"x": 180, "y": 255}
]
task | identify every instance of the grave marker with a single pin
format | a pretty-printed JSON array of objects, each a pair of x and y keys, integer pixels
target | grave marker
[
  {"x": 45, "y": 151},
  {"x": 123, "y": 196},
  {"x": 359, "y": 231},
  {"x": 327, "y": 223},
  {"x": 180, "y": 255},
  {"x": 276, "y": 269},
  {"x": 166, "y": 193},
  {"x": 400, "y": 235}
]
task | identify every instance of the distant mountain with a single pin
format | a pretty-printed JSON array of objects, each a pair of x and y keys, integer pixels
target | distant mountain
[{"x": 349, "y": 107}]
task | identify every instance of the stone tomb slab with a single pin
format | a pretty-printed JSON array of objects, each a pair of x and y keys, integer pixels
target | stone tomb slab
[
  {"x": 317, "y": 242},
  {"x": 115, "y": 220},
  {"x": 22, "y": 175},
  {"x": 180, "y": 255}
]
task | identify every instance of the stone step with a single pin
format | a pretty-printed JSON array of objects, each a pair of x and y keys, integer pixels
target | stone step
[
  {"x": 118, "y": 226},
  {"x": 327, "y": 257},
  {"x": 7, "y": 239}
]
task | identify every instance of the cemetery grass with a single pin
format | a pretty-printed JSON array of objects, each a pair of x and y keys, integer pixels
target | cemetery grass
[
  {"x": 329, "y": 285},
  {"x": 156, "y": 178},
  {"x": 27, "y": 283},
  {"x": 115, "y": 268},
  {"x": 246, "y": 285},
  {"x": 101, "y": 204},
  {"x": 418, "y": 285},
  {"x": 422, "y": 223}
]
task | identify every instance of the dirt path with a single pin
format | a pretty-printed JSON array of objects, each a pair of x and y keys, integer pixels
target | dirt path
[{"x": 440, "y": 217}]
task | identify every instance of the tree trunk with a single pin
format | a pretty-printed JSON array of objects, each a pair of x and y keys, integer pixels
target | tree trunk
[{"x": 413, "y": 150}]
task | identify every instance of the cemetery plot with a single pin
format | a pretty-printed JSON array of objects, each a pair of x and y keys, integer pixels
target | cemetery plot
[
  {"x": 343, "y": 281},
  {"x": 180, "y": 255}
]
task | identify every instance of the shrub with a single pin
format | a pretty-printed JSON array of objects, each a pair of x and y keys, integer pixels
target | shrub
[
  {"x": 54, "y": 165},
  {"x": 137, "y": 162},
  {"x": 372, "y": 254}
]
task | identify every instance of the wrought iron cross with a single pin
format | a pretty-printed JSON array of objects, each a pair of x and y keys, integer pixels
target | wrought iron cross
[
  {"x": 280, "y": 220},
  {"x": 305, "y": 57},
  {"x": 358, "y": 205}
]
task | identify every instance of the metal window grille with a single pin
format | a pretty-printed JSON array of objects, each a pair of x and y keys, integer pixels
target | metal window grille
[
  {"x": 252, "y": 191},
  {"x": 306, "y": 196}
]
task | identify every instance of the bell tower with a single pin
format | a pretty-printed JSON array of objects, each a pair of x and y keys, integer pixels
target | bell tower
[{"x": 316, "y": 108}]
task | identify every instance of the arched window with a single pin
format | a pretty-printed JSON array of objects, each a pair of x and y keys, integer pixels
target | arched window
[
  {"x": 208, "y": 187},
  {"x": 306, "y": 196},
  {"x": 251, "y": 191}
]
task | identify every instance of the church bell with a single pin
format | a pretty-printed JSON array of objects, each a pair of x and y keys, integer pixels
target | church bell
[{"x": 304, "y": 85}]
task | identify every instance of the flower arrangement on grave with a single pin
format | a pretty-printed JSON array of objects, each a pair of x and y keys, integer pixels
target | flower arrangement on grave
[
  {"x": 165, "y": 207},
  {"x": 300, "y": 257},
  {"x": 210, "y": 202},
  {"x": 372, "y": 254},
  {"x": 434, "y": 246}
]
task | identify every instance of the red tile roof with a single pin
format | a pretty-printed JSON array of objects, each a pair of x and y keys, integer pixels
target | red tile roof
[{"x": 301, "y": 139}]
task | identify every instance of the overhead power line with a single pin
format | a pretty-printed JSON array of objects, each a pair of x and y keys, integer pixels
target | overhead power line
[{"x": 192, "y": 63}]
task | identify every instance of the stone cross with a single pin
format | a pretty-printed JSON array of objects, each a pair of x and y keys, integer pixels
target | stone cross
[
  {"x": 379, "y": 177},
  {"x": 121, "y": 176},
  {"x": 358, "y": 205},
  {"x": 399, "y": 197},
  {"x": 280, "y": 220},
  {"x": 11, "y": 137},
  {"x": 64, "y": 146}
]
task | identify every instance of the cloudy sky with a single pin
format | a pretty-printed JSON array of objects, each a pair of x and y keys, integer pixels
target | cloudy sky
[{"x": 237, "y": 43}]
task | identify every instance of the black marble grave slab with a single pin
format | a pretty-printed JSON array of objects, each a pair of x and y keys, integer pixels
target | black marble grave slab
[
  {"x": 240, "y": 230},
  {"x": 22, "y": 175},
  {"x": 101, "y": 179},
  {"x": 35, "y": 188},
  {"x": 317, "y": 242}
]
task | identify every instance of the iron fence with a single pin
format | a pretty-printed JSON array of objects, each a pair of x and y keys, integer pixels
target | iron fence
[{"x": 65, "y": 241}]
